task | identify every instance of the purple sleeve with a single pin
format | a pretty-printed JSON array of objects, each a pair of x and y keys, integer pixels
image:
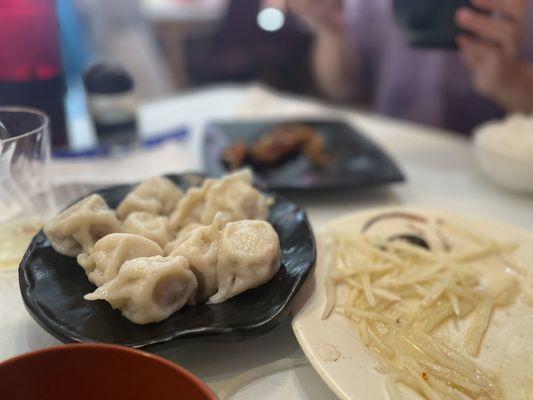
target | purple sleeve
[
  {"x": 367, "y": 25},
  {"x": 527, "y": 50}
]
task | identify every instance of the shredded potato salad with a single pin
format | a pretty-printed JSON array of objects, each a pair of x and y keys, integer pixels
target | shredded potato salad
[{"x": 399, "y": 294}]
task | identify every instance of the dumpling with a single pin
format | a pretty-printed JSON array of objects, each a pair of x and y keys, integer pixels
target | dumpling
[
  {"x": 153, "y": 227},
  {"x": 191, "y": 207},
  {"x": 236, "y": 198},
  {"x": 200, "y": 248},
  {"x": 182, "y": 235},
  {"x": 248, "y": 256},
  {"x": 103, "y": 263},
  {"x": 232, "y": 195},
  {"x": 80, "y": 226},
  {"x": 149, "y": 289},
  {"x": 157, "y": 195}
]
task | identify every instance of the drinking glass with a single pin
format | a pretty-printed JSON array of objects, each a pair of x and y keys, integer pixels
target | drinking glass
[{"x": 26, "y": 198}]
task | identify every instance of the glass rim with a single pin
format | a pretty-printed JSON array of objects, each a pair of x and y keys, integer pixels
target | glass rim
[{"x": 45, "y": 124}]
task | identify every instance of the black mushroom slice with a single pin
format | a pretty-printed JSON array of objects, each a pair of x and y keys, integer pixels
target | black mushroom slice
[
  {"x": 392, "y": 215},
  {"x": 412, "y": 239}
]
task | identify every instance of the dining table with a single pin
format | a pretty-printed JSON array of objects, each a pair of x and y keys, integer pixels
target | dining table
[{"x": 440, "y": 170}]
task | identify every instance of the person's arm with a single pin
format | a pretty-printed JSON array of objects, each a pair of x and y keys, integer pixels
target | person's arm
[
  {"x": 516, "y": 92},
  {"x": 492, "y": 53},
  {"x": 334, "y": 61},
  {"x": 335, "y": 65}
]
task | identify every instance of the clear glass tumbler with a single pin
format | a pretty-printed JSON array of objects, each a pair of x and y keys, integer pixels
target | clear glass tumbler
[{"x": 26, "y": 197}]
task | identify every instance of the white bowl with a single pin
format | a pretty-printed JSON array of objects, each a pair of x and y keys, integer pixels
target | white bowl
[{"x": 502, "y": 156}]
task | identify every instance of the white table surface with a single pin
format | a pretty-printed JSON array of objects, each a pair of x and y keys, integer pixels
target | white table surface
[{"x": 441, "y": 173}]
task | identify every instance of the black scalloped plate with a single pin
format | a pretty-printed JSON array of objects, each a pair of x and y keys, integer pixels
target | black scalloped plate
[
  {"x": 357, "y": 161},
  {"x": 53, "y": 285}
]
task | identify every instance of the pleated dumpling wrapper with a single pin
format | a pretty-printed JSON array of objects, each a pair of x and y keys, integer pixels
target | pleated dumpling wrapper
[
  {"x": 80, "y": 226},
  {"x": 200, "y": 248},
  {"x": 151, "y": 226},
  {"x": 233, "y": 196},
  {"x": 149, "y": 289},
  {"x": 156, "y": 195},
  {"x": 103, "y": 263},
  {"x": 181, "y": 236},
  {"x": 248, "y": 256}
]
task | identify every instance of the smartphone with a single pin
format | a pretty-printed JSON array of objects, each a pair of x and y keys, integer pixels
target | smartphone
[{"x": 429, "y": 23}]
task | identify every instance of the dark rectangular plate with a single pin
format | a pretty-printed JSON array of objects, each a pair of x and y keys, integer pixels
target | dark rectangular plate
[{"x": 357, "y": 161}]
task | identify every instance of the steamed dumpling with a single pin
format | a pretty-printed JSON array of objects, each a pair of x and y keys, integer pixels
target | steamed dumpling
[
  {"x": 236, "y": 198},
  {"x": 248, "y": 256},
  {"x": 200, "y": 248},
  {"x": 80, "y": 226},
  {"x": 191, "y": 207},
  {"x": 182, "y": 235},
  {"x": 153, "y": 227},
  {"x": 233, "y": 196},
  {"x": 149, "y": 289},
  {"x": 109, "y": 254},
  {"x": 157, "y": 195}
]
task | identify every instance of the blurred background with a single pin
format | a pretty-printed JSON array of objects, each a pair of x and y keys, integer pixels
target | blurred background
[
  {"x": 167, "y": 46},
  {"x": 177, "y": 45},
  {"x": 386, "y": 55}
]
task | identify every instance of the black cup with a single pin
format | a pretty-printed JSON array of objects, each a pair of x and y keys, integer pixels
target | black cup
[{"x": 429, "y": 23}]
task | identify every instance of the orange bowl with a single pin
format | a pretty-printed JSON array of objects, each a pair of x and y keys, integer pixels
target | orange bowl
[{"x": 97, "y": 371}]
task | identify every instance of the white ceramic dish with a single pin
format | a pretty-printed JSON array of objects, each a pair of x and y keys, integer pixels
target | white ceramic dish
[
  {"x": 335, "y": 351},
  {"x": 504, "y": 152},
  {"x": 507, "y": 172}
]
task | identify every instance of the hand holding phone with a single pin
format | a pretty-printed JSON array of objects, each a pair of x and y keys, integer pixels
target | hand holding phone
[
  {"x": 429, "y": 23},
  {"x": 491, "y": 49}
]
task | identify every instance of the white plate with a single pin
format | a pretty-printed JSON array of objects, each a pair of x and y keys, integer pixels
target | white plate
[{"x": 347, "y": 367}]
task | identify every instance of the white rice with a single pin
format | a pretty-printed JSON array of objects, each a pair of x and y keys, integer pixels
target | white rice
[{"x": 511, "y": 137}]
